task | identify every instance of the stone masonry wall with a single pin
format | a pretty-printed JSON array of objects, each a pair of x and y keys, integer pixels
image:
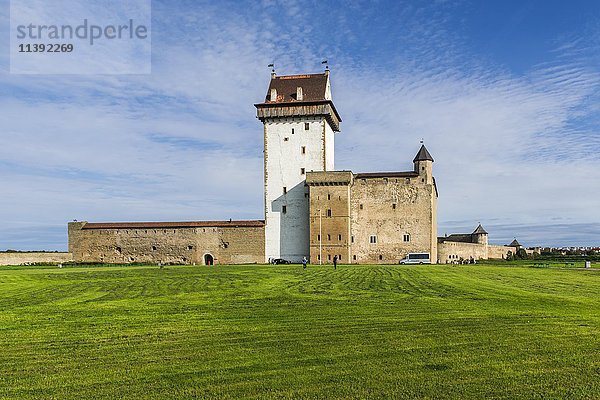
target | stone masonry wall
[
  {"x": 387, "y": 209},
  {"x": 449, "y": 252},
  {"x": 330, "y": 216},
  {"x": 167, "y": 245},
  {"x": 34, "y": 258}
]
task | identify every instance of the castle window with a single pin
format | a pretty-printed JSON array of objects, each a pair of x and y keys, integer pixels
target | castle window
[
  {"x": 306, "y": 126},
  {"x": 380, "y": 257},
  {"x": 190, "y": 247},
  {"x": 292, "y": 131},
  {"x": 284, "y": 189},
  {"x": 354, "y": 257},
  {"x": 329, "y": 257},
  {"x": 422, "y": 180},
  {"x": 153, "y": 248},
  {"x": 319, "y": 238},
  {"x": 340, "y": 237},
  {"x": 284, "y": 209},
  {"x": 339, "y": 257},
  {"x": 329, "y": 212},
  {"x": 328, "y": 237},
  {"x": 286, "y": 139},
  {"x": 319, "y": 257},
  {"x": 373, "y": 239},
  {"x": 328, "y": 197},
  {"x": 393, "y": 206},
  {"x": 352, "y": 239},
  {"x": 302, "y": 171},
  {"x": 361, "y": 207},
  {"x": 422, "y": 168},
  {"x": 303, "y": 149},
  {"x": 406, "y": 237}
]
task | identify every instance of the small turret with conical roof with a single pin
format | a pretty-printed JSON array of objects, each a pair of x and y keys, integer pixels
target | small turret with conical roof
[
  {"x": 424, "y": 165},
  {"x": 515, "y": 243},
  {"x": 480, "y": 235}
]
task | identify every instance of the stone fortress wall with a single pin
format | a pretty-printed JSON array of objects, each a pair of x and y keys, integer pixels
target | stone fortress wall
[
  {"x": 27, "y": 258},
  {"x": 204, "y": 242},
  {"x": 466, "y": 246},
  {"x": 450, "y": 252}
]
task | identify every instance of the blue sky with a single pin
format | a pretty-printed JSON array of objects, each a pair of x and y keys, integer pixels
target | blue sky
[{"x": 505, "y": 94}]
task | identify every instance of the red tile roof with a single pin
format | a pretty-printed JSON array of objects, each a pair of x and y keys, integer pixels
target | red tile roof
[
  {"x": 408, "y": 174},
  {"x": 313, "y": 87},
  {"x": 171, "y": 225}
]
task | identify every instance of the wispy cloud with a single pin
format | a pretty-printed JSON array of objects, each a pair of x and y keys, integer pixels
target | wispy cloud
[{"x": 511, "y": 150}]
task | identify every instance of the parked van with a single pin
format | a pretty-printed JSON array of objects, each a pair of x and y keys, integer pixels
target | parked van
[{"x": 416, "y": 258}]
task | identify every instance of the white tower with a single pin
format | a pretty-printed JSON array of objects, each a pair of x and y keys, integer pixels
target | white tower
[{"x": 299, "y": 123}]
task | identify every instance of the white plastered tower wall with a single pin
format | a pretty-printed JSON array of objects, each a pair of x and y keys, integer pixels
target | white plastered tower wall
[{"x": 298, "y": 138}]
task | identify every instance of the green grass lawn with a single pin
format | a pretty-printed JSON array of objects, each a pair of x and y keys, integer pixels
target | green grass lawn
[{"x": 362, "y": 332}]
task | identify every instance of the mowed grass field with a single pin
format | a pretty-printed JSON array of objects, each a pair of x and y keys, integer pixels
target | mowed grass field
[{"x": 263, "y": 332}]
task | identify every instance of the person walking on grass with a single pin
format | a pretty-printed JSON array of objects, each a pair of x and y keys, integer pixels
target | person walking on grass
[
  {"x": 335, "y": 258},
  {"x": 304, "y": 261}
]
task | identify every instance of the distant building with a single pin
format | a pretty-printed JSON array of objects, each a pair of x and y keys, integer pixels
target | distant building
[{"x": 466, "y": 246}]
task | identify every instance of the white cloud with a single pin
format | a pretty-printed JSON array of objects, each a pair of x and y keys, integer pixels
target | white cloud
[{"x": 183, "y": 143}]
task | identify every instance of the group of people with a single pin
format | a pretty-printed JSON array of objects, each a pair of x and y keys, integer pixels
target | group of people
[{"x": 305, "y": 261}]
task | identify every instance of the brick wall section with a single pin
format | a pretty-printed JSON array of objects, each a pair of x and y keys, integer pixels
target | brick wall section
[
  {"x": 34, "y": 258},
  {"x": 177, "y": 245}
]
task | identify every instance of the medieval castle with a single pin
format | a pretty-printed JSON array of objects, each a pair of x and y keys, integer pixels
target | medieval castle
[{"x": 311, "y": 210}]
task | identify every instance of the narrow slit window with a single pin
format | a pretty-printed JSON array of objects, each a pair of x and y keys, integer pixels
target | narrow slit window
[
  {"x": 284, "y": 189},
  {"x": 329, "y": 212},
  {"x": 292, "y": 131},
  {"x": 406, "y": 237},
  {"x": 303, "y": 149},
  {"x": 339, "y": 237},
  {"x": 284, "y": 209},
  {"x": 393, "y": 206},
  {"x": 306, "y": 126},
  {"x": 302, "y": 171},
  {"x": 373, "y": 239}
]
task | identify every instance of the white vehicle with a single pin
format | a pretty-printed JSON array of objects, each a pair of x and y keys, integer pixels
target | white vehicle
[{"x": 416, "y": 258}]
